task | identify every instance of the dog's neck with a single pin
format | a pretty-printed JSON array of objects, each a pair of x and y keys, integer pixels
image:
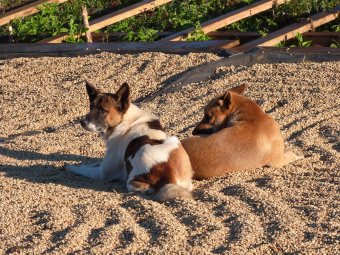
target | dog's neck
[
  {"x": 133, "y": 116},
  {"x": 243, "y": 110},
  {"x": 233, "y": 117}
]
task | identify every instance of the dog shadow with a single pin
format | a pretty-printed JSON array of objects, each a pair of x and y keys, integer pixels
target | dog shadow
[{"x": 52, "y": 170}]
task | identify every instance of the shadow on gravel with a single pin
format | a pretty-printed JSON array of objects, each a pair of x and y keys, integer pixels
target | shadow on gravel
[{"x": 50, "y": 173}]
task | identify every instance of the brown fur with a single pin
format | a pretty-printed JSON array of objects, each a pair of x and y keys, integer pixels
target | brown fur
[
  {"x": 128, "y": 166},
  {"x": 158, "y": 176},
  {"x": 113, "y": 114},
  {"x": 246, "y": 138},
  {"x": 176, "y": 168},
  {"x": 137, "y": 143},
  {"x": 106, "y": 109},
  {"x": 155, "y": 124}
]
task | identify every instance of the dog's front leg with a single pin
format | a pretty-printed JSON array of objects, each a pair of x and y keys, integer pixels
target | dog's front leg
[{"x": 92, "y": 171}]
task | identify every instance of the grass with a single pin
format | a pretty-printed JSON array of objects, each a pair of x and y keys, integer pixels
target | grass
[
  {"x": 174, "y": 16},
  {"x": 8, "y": 4}
]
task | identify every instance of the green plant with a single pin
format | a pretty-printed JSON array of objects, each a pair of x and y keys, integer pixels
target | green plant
[
  {"x": 335, "y": 44},
  {"x": 44, "y": 22},
  {"x": 143, "y": 35},
  {"x": 174, "y": 16},
  {"x": 281, "y": 44},
  {"x": 10, "y": 3},
  {"x": 198, "y": 34},
  {"x": 301, "y": 42},
  {"x": 177, "y": 15},
  {"x": 336, "y": 27},
  {"x": 74, "y": 32}
]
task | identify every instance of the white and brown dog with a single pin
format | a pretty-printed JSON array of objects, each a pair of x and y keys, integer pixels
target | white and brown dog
[
  {"x": 138, "y": 150},
  {"x": 240, "y": 136}
]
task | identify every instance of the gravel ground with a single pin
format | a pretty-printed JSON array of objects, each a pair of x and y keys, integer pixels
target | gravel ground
[{"x": 43, "y": 210}]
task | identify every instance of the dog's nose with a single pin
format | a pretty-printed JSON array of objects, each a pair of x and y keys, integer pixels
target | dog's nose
[
  {"x": 195, "y": 131},
  {"x": 83, "y": 122},
  {"x": 203, "y": 129}
]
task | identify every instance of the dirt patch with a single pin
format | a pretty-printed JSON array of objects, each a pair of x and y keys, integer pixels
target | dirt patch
[{"x": 292, "y": 210}]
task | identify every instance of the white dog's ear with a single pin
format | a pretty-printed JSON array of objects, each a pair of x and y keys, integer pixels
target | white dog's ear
[
  {"x": 238, "y": 89},
  {"x": 123, "y": 97},
  {"x": 91, "y": 91}
]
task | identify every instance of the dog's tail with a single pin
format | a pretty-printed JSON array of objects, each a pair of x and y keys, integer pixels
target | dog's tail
[{"x": 171, "y": 191}]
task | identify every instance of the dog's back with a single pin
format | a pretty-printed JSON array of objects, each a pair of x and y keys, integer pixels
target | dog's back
[{"x": 246, "y": 138}]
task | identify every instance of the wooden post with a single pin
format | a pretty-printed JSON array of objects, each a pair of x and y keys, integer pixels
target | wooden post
[
  {"x": 86, "y": 24},
  {"x": 227, "y": 19},
  {"x": 10, "y": 30}
]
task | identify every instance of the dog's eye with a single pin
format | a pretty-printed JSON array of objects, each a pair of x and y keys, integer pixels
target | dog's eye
[
  {"x": 207, "y": 117},
  {"x": 102, "y": 111}
]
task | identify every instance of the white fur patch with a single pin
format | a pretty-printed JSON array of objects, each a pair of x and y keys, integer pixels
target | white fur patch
[
  {"x": 150, "y": 155},
  {"x": 134, "y": 125},
  {"x": 91, "y": 126}
]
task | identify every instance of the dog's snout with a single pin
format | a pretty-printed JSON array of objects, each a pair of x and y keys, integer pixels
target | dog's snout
[
  {"x": 83, "y": 122},
  {"x": 195, "y": 131},
  {"x": 203, "y": 129}
]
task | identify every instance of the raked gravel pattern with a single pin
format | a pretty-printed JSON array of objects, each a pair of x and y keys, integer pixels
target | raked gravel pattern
[{"x": 44, "y": 210}]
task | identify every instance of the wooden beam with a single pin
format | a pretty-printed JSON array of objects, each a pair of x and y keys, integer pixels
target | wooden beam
[
  {"x": 10, "y": 31},
  {"x": 261, "y": 55},
  {"x": 25, "y": 10},
  {"x": 289, "y": 32},
  {"x": 227, "y": 19},
  {"x": 70, "y": 49},
  {"x": 323, "y": 39},
  {"x": 302, "y": 50},
  {"x": 114, "y": 17},
  {"x": 116, "y": 36},
  {"x": 218, "y": 35}
]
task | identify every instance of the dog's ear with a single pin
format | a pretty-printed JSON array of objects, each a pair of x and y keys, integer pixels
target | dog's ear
[
  {"x": 238, "y": 89},
  {"x": 123, "y": 97},
  {"x": 227, "y": 99},
  {"x": 91, "y": 91}
]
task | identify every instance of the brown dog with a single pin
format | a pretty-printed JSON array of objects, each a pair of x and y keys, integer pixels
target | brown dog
[{"x": 241, "y": 137}]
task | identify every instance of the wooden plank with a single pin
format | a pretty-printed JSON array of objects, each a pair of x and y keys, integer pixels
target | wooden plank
[
  {"x": 323, "y": 39},
  {"x": 114, "y": 17},
  {"x": 289, "y": 32},
  {"x": 216, "y": 35},
  {"x": 25, "y": 10},
  {"x": 116, "y": 36},
  {"x": 262, "y": 55},
  {"x": 301, "y": 50},
  {"x": 227, "y": 19},
  {"x": 65, "y": 49}
]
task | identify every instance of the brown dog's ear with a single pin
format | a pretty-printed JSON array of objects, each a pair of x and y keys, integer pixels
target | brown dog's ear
[
  {"x": 91, "y": 91},
  {"x": 238, "y": 89},
  {"x": 123, "y": 97},
  {"x": 227, "y": 98}
]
